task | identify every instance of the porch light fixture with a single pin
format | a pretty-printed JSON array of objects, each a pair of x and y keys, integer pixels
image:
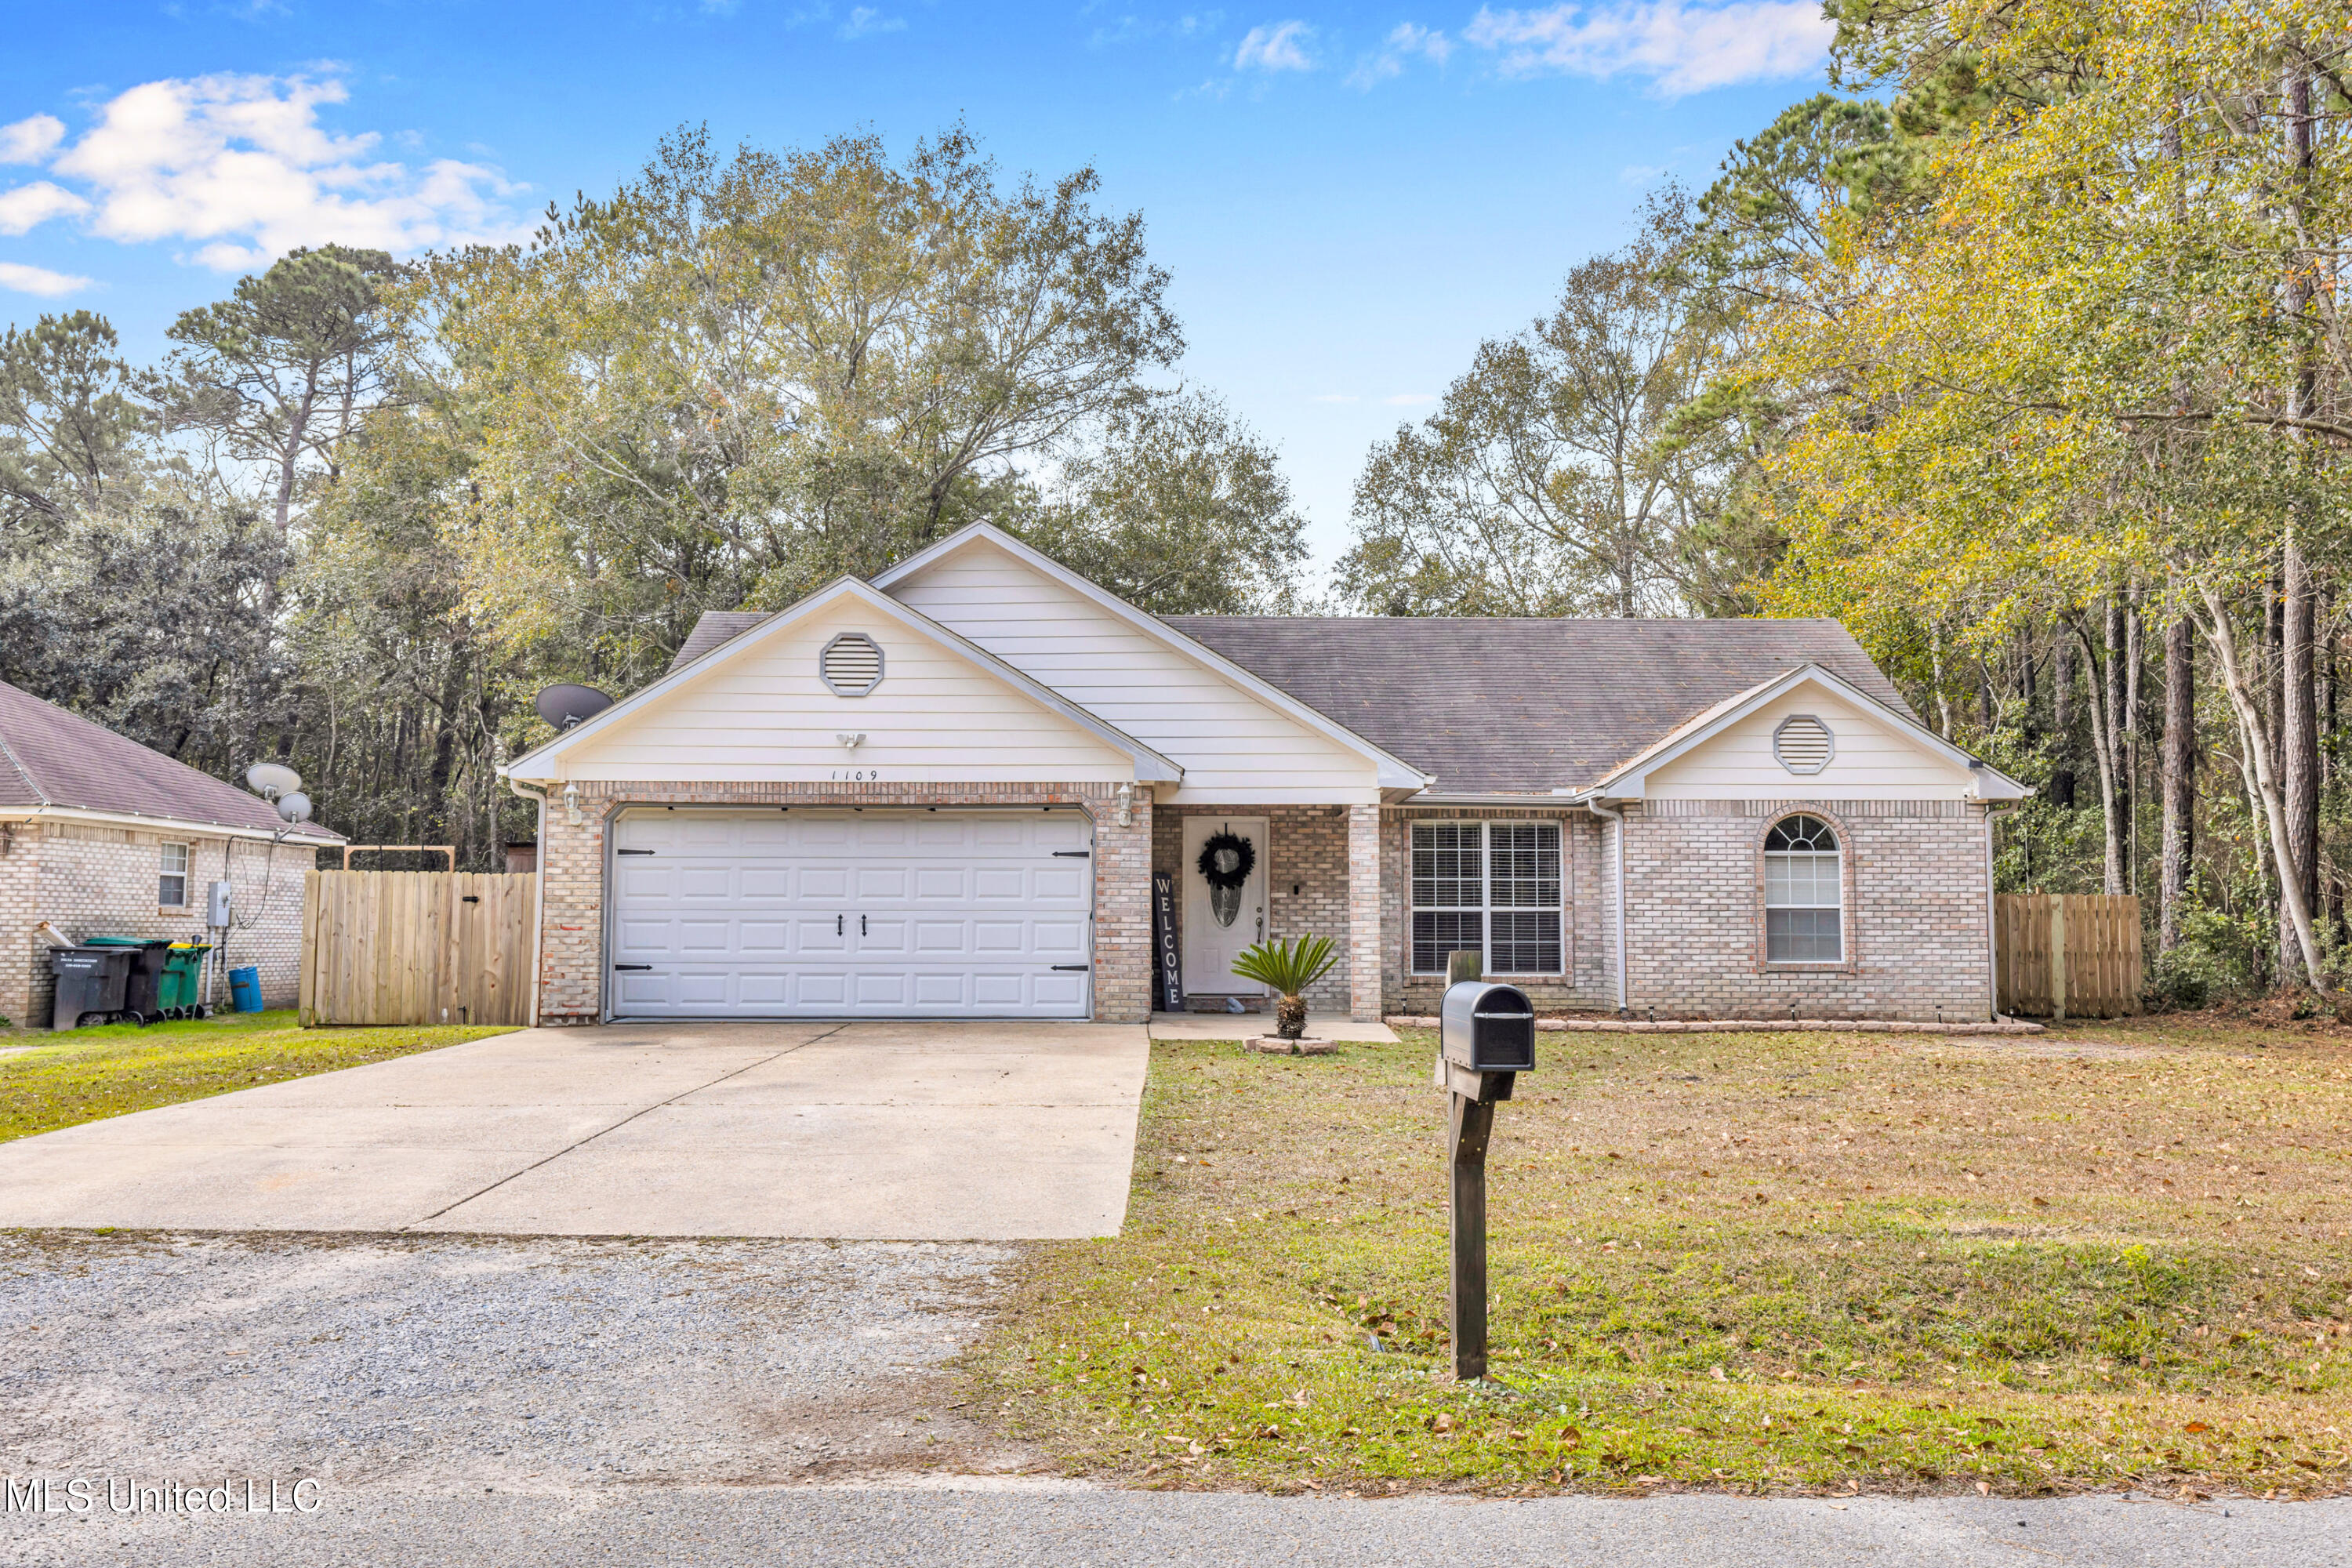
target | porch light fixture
[
  {"x": 1127, "y": 806},
  {"x": 852, "y": 742},
  {"x": 571, "y": 804}
]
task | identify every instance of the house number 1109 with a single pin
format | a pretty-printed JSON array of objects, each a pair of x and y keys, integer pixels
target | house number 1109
[{"x": 857, "y": 776}]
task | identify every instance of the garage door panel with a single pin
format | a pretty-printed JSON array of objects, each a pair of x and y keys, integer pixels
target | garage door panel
[
  {"x": 998, "y": 884},
  {"x": 766, "y": 882},
  {"x": 758, "y": 914}
]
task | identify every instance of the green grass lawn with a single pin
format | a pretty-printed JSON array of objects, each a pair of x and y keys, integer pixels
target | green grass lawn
[
  {"x": 82, "y": 1075},
  {"x": 2113, "y": 1254}
]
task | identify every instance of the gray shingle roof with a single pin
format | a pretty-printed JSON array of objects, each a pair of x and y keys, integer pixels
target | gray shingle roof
[
  {"x": 716, "y": 627},
  {"x": 1497, "y": 706},
  {"x": 1500, "y": 706},
  {"x": 51, "y": 757}
]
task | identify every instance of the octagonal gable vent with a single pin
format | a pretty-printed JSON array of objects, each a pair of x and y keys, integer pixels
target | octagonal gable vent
[
  {"x": 851, "y": 665},
  {"x": 1803, "y": 744}
]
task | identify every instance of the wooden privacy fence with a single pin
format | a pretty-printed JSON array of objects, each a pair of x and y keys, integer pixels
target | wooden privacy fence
[
  {"x": 2098, "y": 933},
  {"x": 416, "y": 947}
]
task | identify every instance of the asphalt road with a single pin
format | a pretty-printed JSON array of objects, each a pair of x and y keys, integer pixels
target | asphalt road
[{"x": 1081, "y": 1529}]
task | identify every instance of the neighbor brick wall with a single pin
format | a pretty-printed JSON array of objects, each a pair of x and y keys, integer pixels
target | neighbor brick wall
[
  {"x": 1915, "y": 917},
  {"x": 571, "y": 876},
  {"x": 1308, "y": 851},
  {"x": 89, "y": 879}
]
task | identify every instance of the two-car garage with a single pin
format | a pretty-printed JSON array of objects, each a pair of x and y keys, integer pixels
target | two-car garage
[{"x": 826, "y": 912}]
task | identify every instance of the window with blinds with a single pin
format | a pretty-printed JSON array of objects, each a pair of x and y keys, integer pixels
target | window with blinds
[
  {"x": 1804, "y": 893},
  {"x": 1491, "y": 888}
]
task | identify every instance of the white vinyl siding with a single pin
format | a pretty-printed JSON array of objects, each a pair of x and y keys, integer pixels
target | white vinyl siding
[
  {"x": 1872, "y": 761},
  {"x": 766, "y": 715},
  {"x": 1804, "y": 893},
  {"x": 172, "y": 877},
  {"x": 1233, "y": 746},
  {"x": 1492, "y": 888}
]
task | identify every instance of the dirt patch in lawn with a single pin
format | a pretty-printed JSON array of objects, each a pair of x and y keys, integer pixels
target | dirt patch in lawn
[{"x": 1759, "y": 1261}]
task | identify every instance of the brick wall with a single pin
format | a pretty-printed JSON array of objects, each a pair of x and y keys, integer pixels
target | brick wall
[
  {"x": 1588, "y": 982},
  {"x": 1306, "y": 878},
  {"x": 571, "y": 876},
  {"x": 1915, "y": 920},
  {"x": 89, "y": 880}
]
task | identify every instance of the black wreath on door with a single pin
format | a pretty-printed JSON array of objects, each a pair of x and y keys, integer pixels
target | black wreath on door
[{"x": 1226, "y": 861}]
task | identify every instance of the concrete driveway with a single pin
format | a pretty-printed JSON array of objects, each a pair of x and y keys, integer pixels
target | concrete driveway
[{"x": 908, "y": 1132}]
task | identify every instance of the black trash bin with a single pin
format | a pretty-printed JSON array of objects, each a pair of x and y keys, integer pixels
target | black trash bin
[
  {"x": 90, "y": 980},
  {"x": 141, "y": 991}
]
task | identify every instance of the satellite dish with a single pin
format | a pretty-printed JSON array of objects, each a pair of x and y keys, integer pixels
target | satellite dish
[
  {"x": 294, "y": 807},
  {"x": 270, "y": 779},
  {"x": 564, "y": 706}
]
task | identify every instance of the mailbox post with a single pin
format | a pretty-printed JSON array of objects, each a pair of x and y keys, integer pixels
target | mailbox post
[{"x": 1487, "y": 1037}]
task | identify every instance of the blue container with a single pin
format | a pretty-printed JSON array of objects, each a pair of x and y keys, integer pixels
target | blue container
[{"x": 245, "y": 989}]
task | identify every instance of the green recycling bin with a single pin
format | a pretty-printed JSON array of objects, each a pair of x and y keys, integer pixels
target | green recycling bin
[{"x": 182, "y": 992}]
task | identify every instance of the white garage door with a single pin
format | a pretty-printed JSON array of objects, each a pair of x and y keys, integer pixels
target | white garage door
[{"x": 826, "y": 914}]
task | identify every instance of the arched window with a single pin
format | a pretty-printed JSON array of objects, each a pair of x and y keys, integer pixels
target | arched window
[{"x": 1804, "y": 893}]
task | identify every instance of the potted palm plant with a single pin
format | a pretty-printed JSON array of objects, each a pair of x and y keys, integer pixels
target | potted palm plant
[{"x": 1290, "y": 967}]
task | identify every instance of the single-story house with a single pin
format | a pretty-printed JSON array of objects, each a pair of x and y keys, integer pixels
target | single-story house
[
  {"x": 100, "y": 836},
  {"x": 949, "y": 791}
]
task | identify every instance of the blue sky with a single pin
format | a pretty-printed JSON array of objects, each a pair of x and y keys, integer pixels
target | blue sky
[{"x": 1350, "y": 197}]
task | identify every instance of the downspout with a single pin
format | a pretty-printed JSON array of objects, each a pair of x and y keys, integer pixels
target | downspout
[
  {"x": 538, "y": 886},
  {"x": 1617, "y": 817}
]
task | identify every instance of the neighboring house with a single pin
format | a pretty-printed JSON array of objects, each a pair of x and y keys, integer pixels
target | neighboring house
[
  {"x": 944, "y": 793},
  {"x": 101, "y": 837}
]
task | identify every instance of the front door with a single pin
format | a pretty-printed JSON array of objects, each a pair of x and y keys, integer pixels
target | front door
[{"x": 1224, "y": 906}]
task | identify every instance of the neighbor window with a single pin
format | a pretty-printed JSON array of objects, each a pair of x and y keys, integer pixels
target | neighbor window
[
  {"x": 171, "y": 885},
  {"x": 1488, "y": 888},
  {"x": 1804, "y": 893}
]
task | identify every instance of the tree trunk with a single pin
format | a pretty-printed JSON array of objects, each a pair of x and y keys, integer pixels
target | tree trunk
[
  {"x": 2179, "y": 786},
  {"x": 2103, "y": 749},
  {"x": 2112, "y": 797},
  {"x": 2298, "y": 705},
  {"x": 2240, "y": 687}
]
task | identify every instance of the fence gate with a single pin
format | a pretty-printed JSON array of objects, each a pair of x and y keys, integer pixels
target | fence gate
[
  {"x": 416, "y": 947},
  {"x": 2098, "y": 935}
]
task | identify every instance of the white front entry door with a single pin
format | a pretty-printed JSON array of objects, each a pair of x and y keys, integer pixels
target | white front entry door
[
  {"x": 837, "y": 915},
  {"x": 1218, "y": 926}
]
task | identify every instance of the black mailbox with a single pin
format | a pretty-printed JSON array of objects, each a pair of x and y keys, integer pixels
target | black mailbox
[{"x": 1487, "y": 1028}]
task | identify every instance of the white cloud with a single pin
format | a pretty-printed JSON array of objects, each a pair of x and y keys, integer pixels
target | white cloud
[
  {"x": 1410, "y": 399},
  {"x": 30, "y": 141},
  {"x": 240, "y": 167},
  {"x": 38, "y": 280},
  {"x": 866, "y": 20},
  {"x": 1406, "y": 42},
  {"x": 1275, "y": 47},
  {"x": 28, "y": 206},
  {"x": 1683, "y": 48}
]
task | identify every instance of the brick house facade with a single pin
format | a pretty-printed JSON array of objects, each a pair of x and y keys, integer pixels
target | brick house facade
[
  {"x": 1572, "y": 757},
  {"x": 91, "y": 824},
  {"x": 88, "y": 880}
]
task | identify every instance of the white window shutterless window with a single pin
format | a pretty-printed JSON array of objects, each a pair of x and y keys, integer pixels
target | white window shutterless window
[
  {"x": 172, "y": 877},
  {"x": 1804, "y": 893},
  {"x": 1489, "y": 888}
]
